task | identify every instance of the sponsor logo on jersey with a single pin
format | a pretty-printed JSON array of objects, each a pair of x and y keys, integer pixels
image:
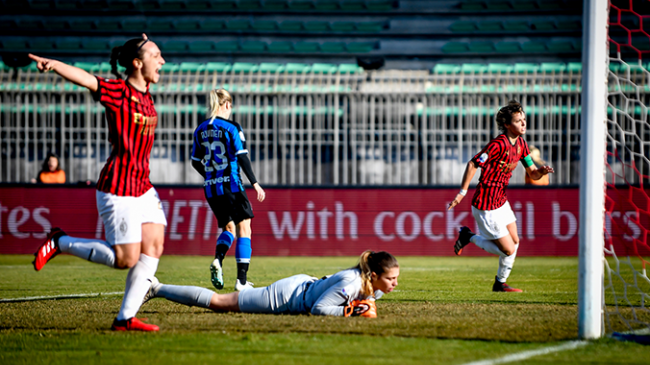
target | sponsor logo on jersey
[
  {"x": 484, "y": 157},
  {"x": 217, "y": 180},
  {"x": 148, "y": 123}
]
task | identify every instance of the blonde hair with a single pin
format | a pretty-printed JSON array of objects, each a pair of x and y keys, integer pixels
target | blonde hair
[
  {"x": 218, "y": 97},
  {"x": 377, "y": 262}
]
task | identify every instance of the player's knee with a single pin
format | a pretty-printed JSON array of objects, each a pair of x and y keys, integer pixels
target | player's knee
[
  {"x": 509, "y": 251},
  {"x": 126, "y": 262}
]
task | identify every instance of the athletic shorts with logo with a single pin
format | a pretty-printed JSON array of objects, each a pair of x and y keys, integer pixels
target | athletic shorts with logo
[
  {"x": 230, "y": 206},
  {"x": 493, "y": 224},
  {"x": 123, "y": 216}
]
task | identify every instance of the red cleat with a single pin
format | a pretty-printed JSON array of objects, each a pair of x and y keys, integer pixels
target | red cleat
[
  {"x": 503, "y": 287},
  {"x": 48, "y": 250},
  {"x": 133, "y": 324}
]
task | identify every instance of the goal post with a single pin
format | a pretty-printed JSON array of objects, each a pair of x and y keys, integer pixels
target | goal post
[{"x": 592, "y": 168}]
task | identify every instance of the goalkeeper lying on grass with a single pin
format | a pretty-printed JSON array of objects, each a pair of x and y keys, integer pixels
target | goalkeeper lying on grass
[{"x": 350, "y": 292}]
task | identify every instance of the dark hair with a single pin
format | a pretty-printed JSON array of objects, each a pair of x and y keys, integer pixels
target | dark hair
[
  {"x": 46, "y": 167},
  {"x": 377, "y": 262},
  {"x": 504, "y": 115},
  {"x": 124, "y": 55}
]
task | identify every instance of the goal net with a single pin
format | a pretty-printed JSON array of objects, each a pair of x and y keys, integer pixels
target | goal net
[{"x": 627, "y": 202}]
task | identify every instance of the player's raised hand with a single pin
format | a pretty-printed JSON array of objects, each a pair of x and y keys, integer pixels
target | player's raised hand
[
  {"x": 457, "y": 200},
  {"x": 260, "y": 192},
  {"x": 545, "y": 170},
  {"x": 43, "y": 64}
]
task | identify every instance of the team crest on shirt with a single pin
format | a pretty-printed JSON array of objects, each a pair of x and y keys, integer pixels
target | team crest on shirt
[
  {"x": 134, "y": 99},
  {"x": 123, "y": 227},
  {"x": 484, "y": 157},
  {"x": 519, "y": 150}
]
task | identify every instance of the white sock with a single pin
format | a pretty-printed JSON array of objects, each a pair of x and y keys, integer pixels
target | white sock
[
  {"x": 188, "y": 295},
  {"x": 137, "y": 285},
  {"x": 486, "y": 245},
  {"x": 505, "y": 266},
  {"x": 93, "y": 250}
]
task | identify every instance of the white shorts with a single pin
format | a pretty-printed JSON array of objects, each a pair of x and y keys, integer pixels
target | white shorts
[
  {"x": 285, "y": 296},
  {"x": 493, "y": 224},
  {"x": 123, "y": 216}
]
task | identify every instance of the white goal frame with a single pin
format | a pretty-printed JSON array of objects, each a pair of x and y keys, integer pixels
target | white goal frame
[{"x": 593, "y": 124}]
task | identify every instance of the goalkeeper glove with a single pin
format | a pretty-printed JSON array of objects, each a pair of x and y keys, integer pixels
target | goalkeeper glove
[{"x": 364, "y": 308}]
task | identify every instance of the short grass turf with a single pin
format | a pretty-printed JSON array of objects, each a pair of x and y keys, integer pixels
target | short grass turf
[{"x": 443, "y": 312}]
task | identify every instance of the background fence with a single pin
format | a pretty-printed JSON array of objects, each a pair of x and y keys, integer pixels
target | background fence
[{"x": 305, "y": 125}]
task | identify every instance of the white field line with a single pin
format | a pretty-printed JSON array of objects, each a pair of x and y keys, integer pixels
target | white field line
[
  {"x": 68, "y": 296},
  {"x": 528, "y": 354}
]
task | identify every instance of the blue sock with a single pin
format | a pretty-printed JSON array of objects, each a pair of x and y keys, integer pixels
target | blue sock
[
  {"x": 223, "y": 245},
  {"x": 243, "y": 253}
]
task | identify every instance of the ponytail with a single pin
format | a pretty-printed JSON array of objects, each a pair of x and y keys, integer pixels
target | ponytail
[
  {"x": 125, "y": 54},
  {"x": 218, "y": 97},
  {"x": 377, "y": 262}
]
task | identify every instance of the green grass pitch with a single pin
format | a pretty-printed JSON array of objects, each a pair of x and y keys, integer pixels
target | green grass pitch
[{"x": 443, "y": 312}]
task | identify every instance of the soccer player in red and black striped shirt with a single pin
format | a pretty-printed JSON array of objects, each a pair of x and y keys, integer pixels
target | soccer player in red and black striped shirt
[
  {"x": 494, "y": 217},
  {"x": 132, "y": 213}
]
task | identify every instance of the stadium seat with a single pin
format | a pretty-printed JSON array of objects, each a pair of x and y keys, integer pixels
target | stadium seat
[
  {"x": 455, "y": 47},
  {"x": 117, "y": 5},
  {"x": 569, "y": 25},
  {"x": 290, "y": 26},
  {"x": 489, "y": 26},
  {"x": 524, "y": 5},
  {"x": 333, "y": 47},
  {"x": 300, "y": 5},
  {"x": 186, "y": 26},
  {"x": 211, "y": 25},
  {"x": 472, "y": 5},
  {"x": 174, "y": 46},
  {"x": 316, "y": 26},
  {"x": 326, "y": 5},
  {"x": 349, "y": 68},
  {"x": 360, "y": 47},
  {"x": 40, "y": 4},
  {"x": 160, "y": 26},
  {"x": 218, "y": 66},
  {"x": 533, "y": 47},
  {"x": 574, "y": 67},
  {"x": 237, "y": 24},
  {"x": 352, "y": 5},
  {"x": 108, "y": 26},
  {"x": 274, "y": 5},
  {"x": 369, "y": 27},
  {"x": 296, "y": 68},
  {"x": 499, "y": 68},
  {"x": 134, "y": 26},
  {"x": 323, "y": 68},
  {"x": 201, "y": 46},
  {"x": 270, "y": 67},
  {"x": 550, "y": 4},
  {"x": 560, "y": 46},
  {"x": 265, "y": 25},
  {"x": 498, "y": 5},
  {"x": 191, "y": 66},
  {"x": 95, "y": 45},
  {"x": 224, "y": 5},
  {"x": 56, "y": 25},
  {"x": 244, "y": 67},
  {"x": 172, "y": 5},
  {"x": 306, "y": 47},
  {"x": 68, "y": 45},
  {"x": 463, "y": 26},
  {"x": 196, "y": 5},
  {"x": 40, "y": 44},
  {"x": 525, "y": 68},
  {"x": 227, "y": 46},
  {"x": 507, "y": 47},
  {"x": 280, "y": 47},
  {"x": 247, "y": 5},
  {"x": 543, "y": 25},
  {"x": 473, "y": 68},
  {"x": 481, "y": 47},
  {"x": 253, "y": 46},
  {"x": 30, "y": 25},
  {"x": 9, "y": 25},
  {"x": 90, "y": 67},
  {"x": 442, "y": 68},
  {"x": 552, "y": 67},
  {"x": 342, "y": 26},
  {"x": 516, "y": 26},
  {"x": 380, "y": 5}
]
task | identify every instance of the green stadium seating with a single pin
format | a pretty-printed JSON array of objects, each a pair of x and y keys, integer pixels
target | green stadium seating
[
  {"x": 370, "y": 27},
  {"x": 217, "y": 67},
  {"x": 455, "y": 47},
  {"x": 68, "y": 45},
  {"x": 489, "y": 26},
  {"x": 83, "y": 25},
  {"x": 161, "y": 26},
  {"x": 201, "y": 46},
  {"x": 186, "y": 26},
  {"x": 550, "y": 4},
  {"x": 325, "y": 5},
  {"x": 195, "y": 5},
  {"x": 227, "y": 46},
  {"x": 31, "y": 25},
  {"x": 442, "y": 68},
  {"x": 296, "y": 68},
  {"x": 270, "y": 67},
  {"x": 525, "y": 68},
  {"x": 280, "y": 47},
  {"x": 290, "y": 26},
  {"x": 560, "y": 46},
  {"x": 174, "y": 46},
  {"x": 352, "y": 5},
  {"x": 380, "y": 5},
  {"x": 498, "y": 5},
  {"x": 569, "y": 25},
  {"x": 574, "y": 67},
  {"x": 238, "y": 24},
  {"x": 306, "y": 47},
  {"x": 323, "y": 68},
  {"x": 56, "y": 25},
  {"x": 499, "y": 68},
  {"x": 223, "y": 5},
  {"x": 316, "y": 26},
  {"x": 472, "y": 5},
  {"x": 40, "y": 44},
  {"x": 481, "y": 47},
  {"x": 342, "y": 26},
  {"x": 516, "y": 26},
  {"x": 533, "y": 47},
  {"x": 87, "y": 66},
  {"x": 109, "y": 26},
  {"x": 211, "y": 25},
  {"x": 552, "y": 67},
  {"x": 360, "y": 47},
  {"x": 473, "y": 68},
  {"x": 248, "y": 5},
  {"x": 172, "y": 5},
  {"x": 332, "y": 47},
  {"x": 118, "y": 5},
  {"x": 244, "y": 67},
  {"x": 40, "y": 4},
  {"x": 524, "y": 5},
  {"x": 463, "y": 26},
  {"x": 349, "y": 68},
  {"x": 265, "y": 25},
  {"x": 253, "y": 46},
  {"x": 507, "y": 47},
  {"x": 95, "y": 45},
  {"x": 134, "y": 26},
  {"x": 544, "y": 25},
  {"x": 191, "y": 67},
  {"x": 8, "y": 25}
]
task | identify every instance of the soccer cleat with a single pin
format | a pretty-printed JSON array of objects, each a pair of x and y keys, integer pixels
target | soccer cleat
[
  {"x": 133, "y": 324},
  {"x": 239, "y": 286},
  {"x": 463, "y": 240},
  {"x": 153, "y": 288},
  {"x": 48, "y": 249},
  {"x": 503, "y": 287},
  {"x": 216, "y": 274}
]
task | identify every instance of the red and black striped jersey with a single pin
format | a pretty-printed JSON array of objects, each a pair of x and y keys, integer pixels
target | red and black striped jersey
[
  {"x": 132, "y": 120},
  {"x": 497, "y": 160}
]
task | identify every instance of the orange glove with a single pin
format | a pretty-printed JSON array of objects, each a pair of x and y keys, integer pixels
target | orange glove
[{"x": 364, "y": 308}]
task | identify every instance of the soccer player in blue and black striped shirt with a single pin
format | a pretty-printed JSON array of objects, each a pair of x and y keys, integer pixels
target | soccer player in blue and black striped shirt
[{"x": 218, "y": 152}]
